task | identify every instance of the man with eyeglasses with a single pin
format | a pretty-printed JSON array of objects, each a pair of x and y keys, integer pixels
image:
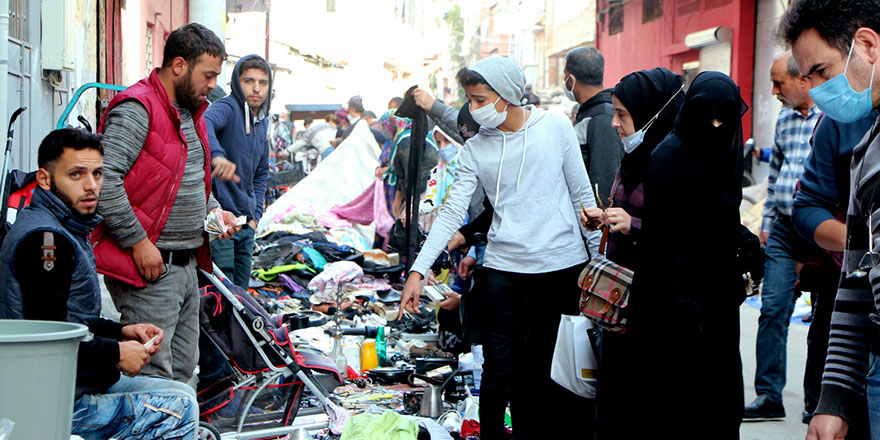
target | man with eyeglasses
[{"x": 837, "y": 44}]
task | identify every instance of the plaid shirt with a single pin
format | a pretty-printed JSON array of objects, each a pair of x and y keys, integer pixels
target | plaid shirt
[{"x": 792, "y": 147}]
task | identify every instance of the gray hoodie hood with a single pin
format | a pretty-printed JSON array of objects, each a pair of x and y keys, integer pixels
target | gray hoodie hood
[
  {"x": 235, "y": 85},
  {"x": 504, "y": 76}
]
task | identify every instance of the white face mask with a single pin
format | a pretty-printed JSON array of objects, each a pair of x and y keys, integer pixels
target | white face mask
[
  {"x": 448, "y": 153},
  {"x": 488, "y": 117},
  {"x": 631, "y": 142},
  {"x": 569, "y": 93}
]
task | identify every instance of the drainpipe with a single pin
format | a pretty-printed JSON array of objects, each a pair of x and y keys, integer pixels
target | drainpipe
[{"x": 4, "y": 64}]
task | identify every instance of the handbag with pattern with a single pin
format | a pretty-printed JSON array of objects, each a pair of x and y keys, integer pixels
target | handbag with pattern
[{"x": 605, "y": 290}]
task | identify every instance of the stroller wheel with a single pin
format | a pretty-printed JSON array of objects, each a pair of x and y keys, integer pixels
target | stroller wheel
[{"x": 207, "y": 431}]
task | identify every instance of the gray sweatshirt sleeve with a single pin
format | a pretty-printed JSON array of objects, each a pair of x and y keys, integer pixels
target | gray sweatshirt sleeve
[
  {"x": 446, "y": 118},
  {"x": 125, "y": 132},
  {"x": 452, "y": 213},
  {"x": 603, "y": 150},
  {"x": 579, "y": 186}
]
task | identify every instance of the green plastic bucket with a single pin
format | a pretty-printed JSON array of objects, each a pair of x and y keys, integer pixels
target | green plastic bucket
[{"x": 38, "y": 375}]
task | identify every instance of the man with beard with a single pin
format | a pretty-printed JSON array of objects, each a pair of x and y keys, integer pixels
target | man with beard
[
  {"x": 157, "y": 194},
  {"x": 48, "y": 272}
]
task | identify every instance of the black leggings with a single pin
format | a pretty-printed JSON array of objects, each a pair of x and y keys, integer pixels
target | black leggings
[{"x": 520, "y": 321}]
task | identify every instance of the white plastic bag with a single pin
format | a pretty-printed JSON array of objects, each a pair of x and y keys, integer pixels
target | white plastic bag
[{"x": 574, "y": 363}]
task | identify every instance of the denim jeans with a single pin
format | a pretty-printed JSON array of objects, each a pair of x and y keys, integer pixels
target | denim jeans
[
  {"x": 234, "y": 256},
  {"x": 138, "y": 408},
  {"x": 777, "y": 305},
  {"x": 874, "y": 395},
  {"x": 172, "y": 304}
]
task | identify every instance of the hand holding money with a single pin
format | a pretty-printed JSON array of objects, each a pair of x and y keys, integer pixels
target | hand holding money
[{"x": 223, "y": 224}]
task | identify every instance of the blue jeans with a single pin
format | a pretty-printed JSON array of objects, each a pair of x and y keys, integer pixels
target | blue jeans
[
  {"x": 138, "y": 408},
  {"x": 777, "y": 305},
  {"x": 873, "y": 391},
  {"x": 234, "y": 256}
]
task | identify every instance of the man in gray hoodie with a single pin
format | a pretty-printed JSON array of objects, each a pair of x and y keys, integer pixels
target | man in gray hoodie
[{"x": 529, "y": 164}]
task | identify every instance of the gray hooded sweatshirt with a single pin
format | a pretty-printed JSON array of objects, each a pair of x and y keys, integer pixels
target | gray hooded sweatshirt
[{"x": 537, "y": 198}]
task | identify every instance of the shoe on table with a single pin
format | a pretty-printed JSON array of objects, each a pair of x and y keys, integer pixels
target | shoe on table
[{"x": 764, "y": 409}]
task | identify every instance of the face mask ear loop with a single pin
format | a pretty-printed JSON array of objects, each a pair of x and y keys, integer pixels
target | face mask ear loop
[
  {"x": 849, "y": 57},
  {"x": 873, "y": 70},
  {"x": 657, "y": 116}
]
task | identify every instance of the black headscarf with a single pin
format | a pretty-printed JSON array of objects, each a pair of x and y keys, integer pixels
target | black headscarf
[
  {"x": 715, "y": 152},
  {"x": 644, "y": 93}
]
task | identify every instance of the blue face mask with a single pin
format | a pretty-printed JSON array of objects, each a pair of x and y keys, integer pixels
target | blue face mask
[{"x": 837, "y": 99}]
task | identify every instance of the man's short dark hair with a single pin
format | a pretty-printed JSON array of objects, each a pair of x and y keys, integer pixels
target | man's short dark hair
[
  {"x": 255, "y": 63},
  {"x": 397, "y": 101},
  {"x": 467, "y": 77},
  {"x": 836, "y": 21},
  {"x": 54, "y": 143},
  {"x": 189, "y": 42},
  {"x": 308, "y": 121},
  {"x": 587, "y": 65},
  {"x": 369, "y": 115}
]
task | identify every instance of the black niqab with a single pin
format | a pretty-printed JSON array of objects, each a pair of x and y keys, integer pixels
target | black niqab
[
  {"x": 715, "y": 152},
  {"x": 644, "y": 93}
]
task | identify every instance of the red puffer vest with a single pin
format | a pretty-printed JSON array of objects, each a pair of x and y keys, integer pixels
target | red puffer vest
[{"x": 152, "y": 182}]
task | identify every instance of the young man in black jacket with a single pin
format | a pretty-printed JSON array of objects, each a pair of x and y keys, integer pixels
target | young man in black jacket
[
  {"x": 48, "y": 272},
  {"x": 601, "y": 146}
]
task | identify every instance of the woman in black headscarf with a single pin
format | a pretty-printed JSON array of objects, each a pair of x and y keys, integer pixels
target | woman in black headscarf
[
  {"x": 687, "y": 290},
  {"x": 645, "y": 105}
]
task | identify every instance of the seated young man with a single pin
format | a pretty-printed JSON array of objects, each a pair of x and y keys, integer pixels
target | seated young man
[{"x": 48, "y": 272}]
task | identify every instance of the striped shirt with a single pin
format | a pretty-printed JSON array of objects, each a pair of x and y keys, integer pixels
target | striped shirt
[
  {"x": 790, "y": 151},
  {"x": 854, "y": 324},
  {"x": 125, "y": 132}
]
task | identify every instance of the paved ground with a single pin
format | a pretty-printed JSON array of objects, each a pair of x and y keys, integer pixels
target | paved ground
[{"x": 793, "y": 395}]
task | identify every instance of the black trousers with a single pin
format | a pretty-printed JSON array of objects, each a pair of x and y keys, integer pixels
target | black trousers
[{"x": 520, "y": 321}]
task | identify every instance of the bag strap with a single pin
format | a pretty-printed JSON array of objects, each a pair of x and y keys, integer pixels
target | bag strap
[{"x": 604, "y": 240}]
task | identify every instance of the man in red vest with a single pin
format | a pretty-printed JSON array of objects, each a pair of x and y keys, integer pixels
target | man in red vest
[{"x": 157, "y": 192}]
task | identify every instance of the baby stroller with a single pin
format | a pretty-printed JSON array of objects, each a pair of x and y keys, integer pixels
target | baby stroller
[{"x": 270, "y": 375}]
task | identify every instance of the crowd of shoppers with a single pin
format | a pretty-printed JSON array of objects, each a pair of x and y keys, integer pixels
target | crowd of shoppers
[{"x": 664, "y": 157}]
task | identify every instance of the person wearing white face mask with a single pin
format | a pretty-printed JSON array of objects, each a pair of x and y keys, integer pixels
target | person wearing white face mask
[
  {"x": 649, "y": 100},
  {"x": 529, "y": 165},
  {"x": 600, "y": 146}
]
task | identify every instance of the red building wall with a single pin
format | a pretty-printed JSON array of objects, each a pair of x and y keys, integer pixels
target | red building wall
[{"x": 660, "y": 42}]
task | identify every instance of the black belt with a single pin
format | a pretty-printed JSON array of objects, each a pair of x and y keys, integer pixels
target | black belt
[{"x": 180, "y": 257}]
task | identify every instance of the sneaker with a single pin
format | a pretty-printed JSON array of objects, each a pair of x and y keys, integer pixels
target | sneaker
[{"x": 763, "y": 409}]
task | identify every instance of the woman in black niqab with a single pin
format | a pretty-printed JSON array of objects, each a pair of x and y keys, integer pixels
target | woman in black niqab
[
  {"x": 640, "y": 96},
  {"x": 687, "y": 292}
]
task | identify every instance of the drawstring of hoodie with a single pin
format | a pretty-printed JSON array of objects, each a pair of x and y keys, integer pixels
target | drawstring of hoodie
[
  {"x": 500, "y": 167},
  {"x": 525, "y": 147},
  {"x": 521, "y": 163},
  {"x": 247, "y": 119}
]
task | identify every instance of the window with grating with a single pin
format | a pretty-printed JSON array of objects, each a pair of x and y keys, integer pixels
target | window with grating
[
  {"x": 685, "y": 7},
  {"x": 18, "y": 22},
  {"x": 651, "y": 10},
  {"x": 615, "y": 18},
  {"x": 712, "y": 4}
]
